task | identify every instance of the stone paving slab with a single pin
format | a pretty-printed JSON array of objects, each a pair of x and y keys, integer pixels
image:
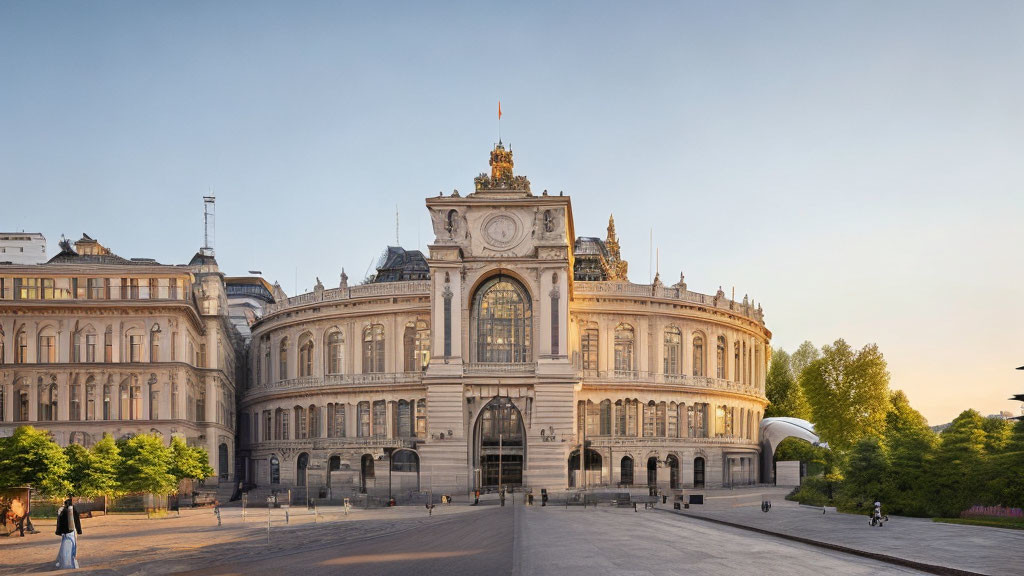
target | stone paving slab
[
  {"x": 614, "y": 541},
  {"x": 977, "y": 549},
  {"x": 134, "y": 544}
]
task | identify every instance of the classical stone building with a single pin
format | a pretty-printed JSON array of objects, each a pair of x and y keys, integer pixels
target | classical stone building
[
  {"x": 493, "y": 360},
  {"x": 93, "y": 343}
]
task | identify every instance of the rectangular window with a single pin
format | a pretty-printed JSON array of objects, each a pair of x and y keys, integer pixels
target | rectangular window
[
  {"x": 47, "y": 288},
  {"x": 380, "y": 419},
  {"x": 154, "y": 403},
  {"x": 266, "y": 425},
  {"x": 90, "y": 347},
  {"x": 47, "y": 350},
  {"x": 26, "y": 288},
  {"x": 135, "y": 348},
  {"x": 554, "y": 324},
  {"x": 74, "y": 402},
  {"x": 108, "y": 347},
  {"x": 421, "y": 418},
  {"x": 447, "y": 325},
  {"x": 364, "y": 419},
  {"x": 96, "y": 289},
  {"x": 588, "y": 350},
  {"x": 173, "y": 286},
  {"x": 133, "y": 285}
]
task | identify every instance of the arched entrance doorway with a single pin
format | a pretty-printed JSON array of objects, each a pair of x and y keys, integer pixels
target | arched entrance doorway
[
  {"x": 405, "y": 471},
  {"x": 673, "y": 472},
  {"x": 301, "y": 464},
  {"x": 626, "y": 471},
  {"x": 594, "y": 467},
  {"x": 698, "y": 472},
  {"x": 365, "y": 471},
  {"x": 275, "y": 470},
  {"x": 500, "y": 444},
  {"x": 222, "y": 461},
  {"x": 652, "y": 471}
]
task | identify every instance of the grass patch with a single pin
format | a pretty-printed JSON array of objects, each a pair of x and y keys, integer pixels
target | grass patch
[{"x": 994, "y": 522}]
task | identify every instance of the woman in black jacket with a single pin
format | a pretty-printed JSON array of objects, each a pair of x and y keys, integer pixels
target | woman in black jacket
[{"x": 68, "y": 524}]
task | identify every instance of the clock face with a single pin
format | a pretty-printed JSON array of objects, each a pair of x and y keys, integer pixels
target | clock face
[{"x": 501, "y": 230}]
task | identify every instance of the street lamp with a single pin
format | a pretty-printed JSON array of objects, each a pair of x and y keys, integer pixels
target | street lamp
[{"x": 389, "y": 452}]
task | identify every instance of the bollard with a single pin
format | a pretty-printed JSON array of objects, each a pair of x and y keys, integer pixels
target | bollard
[
  {"x": 286, "y": 521},
  {"x": 216, "y": 512}
]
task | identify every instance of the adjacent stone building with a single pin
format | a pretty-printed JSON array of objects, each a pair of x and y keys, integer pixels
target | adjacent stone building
[
  {"x": 93, "y": 343},
  {"x": 493, "y": 360}
]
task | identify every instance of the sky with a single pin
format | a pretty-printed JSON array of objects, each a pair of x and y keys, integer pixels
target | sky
[{"x": 855, "y": 167}]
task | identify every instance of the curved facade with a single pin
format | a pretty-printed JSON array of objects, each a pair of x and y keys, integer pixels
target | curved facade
[{"x": 523, "y": 343}]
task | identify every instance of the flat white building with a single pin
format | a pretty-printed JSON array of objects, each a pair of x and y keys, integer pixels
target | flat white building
[{"x": 22, "y": 247}]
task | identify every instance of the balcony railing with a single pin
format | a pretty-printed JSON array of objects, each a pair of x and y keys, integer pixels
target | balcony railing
[
  {"x": 332, "y": 380},
  {"x": 720, "y": 302},
  {"x": 363, "y": 291},
  {"x": 641, "y": 377},
  {"x": 501, "y": 368}
]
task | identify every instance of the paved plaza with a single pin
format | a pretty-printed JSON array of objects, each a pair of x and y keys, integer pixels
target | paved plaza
[{"x": 489, "y": 539}]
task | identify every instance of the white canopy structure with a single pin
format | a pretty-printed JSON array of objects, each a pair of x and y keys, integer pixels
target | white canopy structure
[{"x": 774, "y": 431}]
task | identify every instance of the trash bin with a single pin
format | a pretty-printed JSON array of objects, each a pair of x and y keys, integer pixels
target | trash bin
[
  {"x": 676, "y": 506},
  {"x": 664, "y": 499}
]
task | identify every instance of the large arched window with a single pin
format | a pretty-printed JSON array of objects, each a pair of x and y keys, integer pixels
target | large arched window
[
  {"x": 2, "y": 359},
  {"x": 624, "y": 342},
  {"x": 282, "y": 360},
  {"x": 267, "y": 366},
  {"x": 720, "y": 358},
  {"x": 21, "y": 400},
  {"x": 698, "y": 355},
  {"x": 373, "y": 348},
  {"x": 673, "y": 350},
  {"x": 305, "y": 355},
  {"x": 589, "y": 348},
  {"x": 107, "y": 402},
  {"x": 335, "y": 345},
  {"x": 90, "y": 398},
  {"x": 417, "y": 346},
  {"x": 301, "y": 468},
  {"x": 502, "y": 322}
]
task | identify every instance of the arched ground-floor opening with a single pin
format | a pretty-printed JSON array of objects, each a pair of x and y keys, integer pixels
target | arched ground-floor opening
[
  {"x": 405, "y": 472},
  {"x": 652, "y": 471},
  {"x": 499, "y": 444},
  {"x": 698, "y": 472},
  {"x": 301, "y": 469},
  {"x": 222, "y": 462},
  {"x": 626, "y": 471},
  {"x": 673, "y": 472},
  {"x": 594, "y": 467},
  {"x": 366, "y": 475}
]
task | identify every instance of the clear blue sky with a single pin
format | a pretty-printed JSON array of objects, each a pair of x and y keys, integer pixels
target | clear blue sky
[{"x": 854, "y": 166}]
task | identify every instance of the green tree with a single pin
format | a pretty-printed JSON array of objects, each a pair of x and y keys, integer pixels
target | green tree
[
  {"x": 784, "y": 393},
  {"x": 911, "y": 445},
  {"x": 146, "y": 465},
  {"x": 1010, "y": 462},
  {"x": 79, "y": 462},
  {"x": 102, "y": 477},
  {"x": 867, "y": 472},
  {"x": 31, "y": 457},
  {"x": 848, "y": 393},
  {"x": 956, "y": 470},
  {"x": 188, "y": 461},
  {"x": 802, "y": 358}
]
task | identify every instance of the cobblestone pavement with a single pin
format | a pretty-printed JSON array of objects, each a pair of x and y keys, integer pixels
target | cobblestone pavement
[
  {"x": 621, "y": 542},
  {"x": 978, "y": 549}
]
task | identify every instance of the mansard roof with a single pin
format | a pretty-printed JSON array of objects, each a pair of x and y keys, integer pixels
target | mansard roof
[{"x": 398, "y": 265}]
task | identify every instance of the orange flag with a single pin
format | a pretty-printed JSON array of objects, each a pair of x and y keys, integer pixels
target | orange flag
[{"x": 499, "y": 109}]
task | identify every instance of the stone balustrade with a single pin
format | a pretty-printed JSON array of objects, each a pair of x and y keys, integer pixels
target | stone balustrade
[
  {"x": 747, "y": 310},
  {"x": 335, "y": 380},
  {"x": 500, "y": 368},
  {"x": 416, "y": 287},
  {"x": 656, "y": 378}
]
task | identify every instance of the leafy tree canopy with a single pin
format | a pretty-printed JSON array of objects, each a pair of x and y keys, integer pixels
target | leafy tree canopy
[
  {"x": 784, "y": 393},
  {"x": 848, "y": 392},
  {"x": 31, "y": 457},
  {"x": 146, "y": 465}
]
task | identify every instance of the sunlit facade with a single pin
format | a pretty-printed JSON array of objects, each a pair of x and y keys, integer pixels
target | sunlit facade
[
  {"x": 490, "y": 361},
  {"x": 92, "y": 343}
]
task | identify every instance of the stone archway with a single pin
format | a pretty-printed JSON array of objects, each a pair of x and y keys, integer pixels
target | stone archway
[{"x": 499, "y": 442}]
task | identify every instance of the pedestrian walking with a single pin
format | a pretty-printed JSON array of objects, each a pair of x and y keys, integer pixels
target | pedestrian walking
[{"x": 68, "y": 524}]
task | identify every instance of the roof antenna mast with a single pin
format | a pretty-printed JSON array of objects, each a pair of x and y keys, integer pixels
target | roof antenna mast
[{"x": 209, "y": 224}]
